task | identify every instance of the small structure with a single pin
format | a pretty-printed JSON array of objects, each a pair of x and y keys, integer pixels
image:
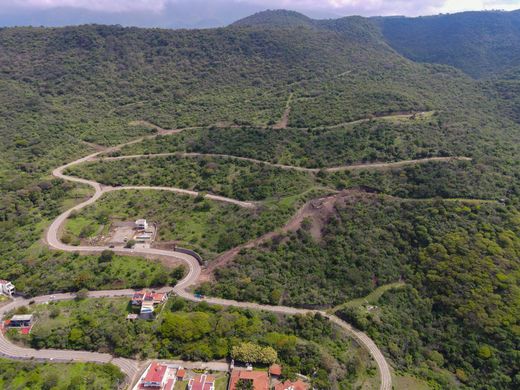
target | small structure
[
  {"x": 259, "y": 379},
  {"x": 157, "y": 376},
  {"x": 7, "y": 288},
  {"x": 202, "y": 382},
  {"x": 132, "y": 316},
  {"x": 141, "y": 224},
  {"x": 181, "y": 374},
  {"x": 288, "y": 385},
  {"x": 23, "y": 323},
  {"x": 275, "y": 371},
  {"x": 143, "y": 237}
]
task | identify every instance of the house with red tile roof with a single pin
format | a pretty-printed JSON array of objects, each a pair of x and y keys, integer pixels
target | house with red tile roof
[
  {"x": 288, "y": 385},
  {"x": 147, "y": 296},
  {"x": 259, "y": 379},
  {"x": 202, "y": 382},
  {"x": 146, "y": 301},
  {"x": 155, "y": 376},
  {"x": 158, "y": 376}
]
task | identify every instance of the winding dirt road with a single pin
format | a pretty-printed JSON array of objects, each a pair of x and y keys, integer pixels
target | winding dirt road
[
  {"x": 128, "y": 366},
  {"x": 354, "y": 167}
]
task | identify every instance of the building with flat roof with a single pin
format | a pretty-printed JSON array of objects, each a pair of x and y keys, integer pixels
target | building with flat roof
[
  {"x": 6, "y": 287},
  {"x": 141, "y": 224},
  {"x": 21, "y": 321}
]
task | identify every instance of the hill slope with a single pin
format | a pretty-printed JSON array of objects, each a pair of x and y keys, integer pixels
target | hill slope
[
  {"x": 60, "y": 88},
  {"x": 479, "y": 43}
]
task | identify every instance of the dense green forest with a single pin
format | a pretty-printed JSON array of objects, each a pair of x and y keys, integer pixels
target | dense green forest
[
  {"x": 65, "y": 92},
  {"x": 459, "y": 260},
  {"x": 59, "y": 376},
  {"x": 481, "y": 44},
  {"x": 303, "y": 344}
]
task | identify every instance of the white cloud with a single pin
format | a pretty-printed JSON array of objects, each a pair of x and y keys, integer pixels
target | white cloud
[
  {"x": 474, "y": 5},
  {"x": 340, "y": 7},
  {"x": 95, "y": 5}
]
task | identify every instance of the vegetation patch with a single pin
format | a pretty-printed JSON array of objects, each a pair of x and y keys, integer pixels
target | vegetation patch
[
  {"x": 234, "y": 179},
  {"x": 52, "y": 272},
  {"x": 309, "y": 344},
  {"x": 59, "y": 376},
  {"x": 461, "y": 277},
  {"x": 208, "y": 227}
]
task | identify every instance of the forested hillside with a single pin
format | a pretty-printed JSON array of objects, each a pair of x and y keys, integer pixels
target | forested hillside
[
  {"x": 481, "y": 44},
  {"x": 281, "y": 88}
]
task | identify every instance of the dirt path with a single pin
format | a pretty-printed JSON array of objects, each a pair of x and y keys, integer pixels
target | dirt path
[
  {"x": 403, "y": 115},
  {"x": 316, "y": 211},
  {"x": 354, "y": 167},
  {"x": 284, "y": 121}
]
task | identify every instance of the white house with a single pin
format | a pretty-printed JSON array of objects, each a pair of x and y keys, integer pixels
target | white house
[
  {"x": 7, "y": 288},
  {"x": 141, "y": 224}
]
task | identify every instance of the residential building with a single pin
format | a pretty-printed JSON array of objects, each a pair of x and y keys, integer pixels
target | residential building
[
  {"x": 155, "y": 376},
  {"x": 158, "y": 376},
  {"x": 7, "y": 288},
  {"x": 147, "y": 300},
  {"x": 141, "y": 224},
  {"x": 148, "y": 296},
  {"x": 288, "y": 385},
  {"x": 202, "y": 382},
  {"x": 259, "y": 379}
]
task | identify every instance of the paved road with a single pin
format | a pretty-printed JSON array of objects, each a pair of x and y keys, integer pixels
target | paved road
[
  {"x": 128, "y": 366},
  {"x": 353, "y": 167}
]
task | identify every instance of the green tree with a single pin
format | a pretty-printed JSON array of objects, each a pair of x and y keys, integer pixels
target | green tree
[{"x": 253, "y": 353}]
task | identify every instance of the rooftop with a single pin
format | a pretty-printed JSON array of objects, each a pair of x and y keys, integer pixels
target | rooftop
[
  {"x": 155, "y": 373},
  {"x": 288, "y": 385},
  {"x": 22, "y": 317},
  {"x": 260, "y": 379},
  {"x": 202, "y": 382},
  {"x": 275, "y": 369}
]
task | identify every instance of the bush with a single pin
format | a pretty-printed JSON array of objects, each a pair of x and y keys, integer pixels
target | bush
[
  {"x": 106, "y": 256},
  {"x": 82, "y": 294}
]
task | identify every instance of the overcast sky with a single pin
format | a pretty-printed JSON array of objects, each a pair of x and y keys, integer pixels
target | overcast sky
[{"x": 211, "y": 13}]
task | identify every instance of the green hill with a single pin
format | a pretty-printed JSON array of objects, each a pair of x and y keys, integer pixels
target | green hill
[
  {"x": 479, "y": 43},
  {"x": 456, "y": 324},
  {"x": 276, "y": 18}
]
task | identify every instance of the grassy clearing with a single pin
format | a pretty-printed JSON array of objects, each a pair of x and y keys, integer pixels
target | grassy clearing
[
  {"x": 370, "y": 299},
  {"x": 203, "y": 225},
  {"x": 407, "y": 382},
  {"x": 61, "y": 272},
  {"x": 59, "y": 376}
]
